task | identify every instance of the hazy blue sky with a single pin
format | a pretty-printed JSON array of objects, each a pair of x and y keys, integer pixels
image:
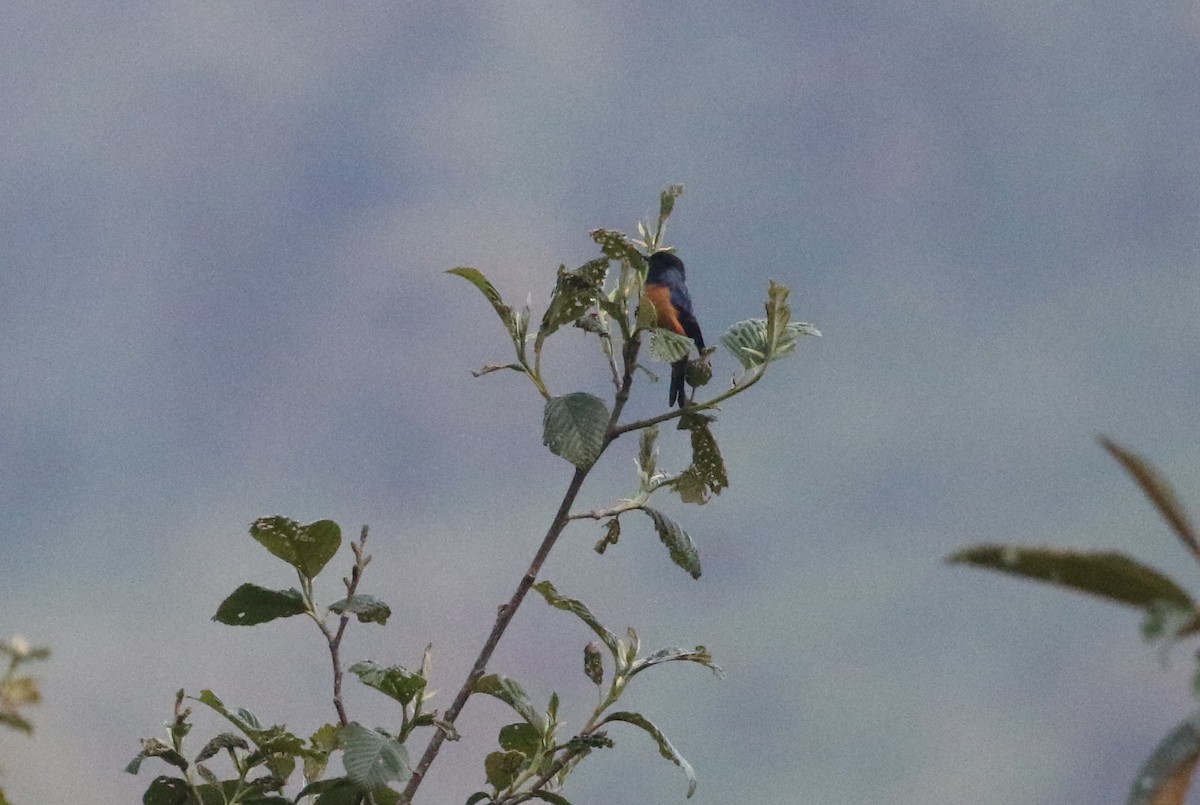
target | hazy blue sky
[{"x": 223, "y": 234}]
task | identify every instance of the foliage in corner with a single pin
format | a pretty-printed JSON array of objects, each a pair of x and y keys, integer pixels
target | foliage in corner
[{"x": 1169, "y": 613}]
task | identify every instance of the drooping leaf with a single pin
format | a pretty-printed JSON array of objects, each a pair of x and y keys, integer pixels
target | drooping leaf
[
  {"x": 502, "y": 768},
  {"x": 664, "y": 746},
  {"x": 396, "y": 682},
  {"x": 371, "y": 758},
  {"x": 593, "y": 663},
  {"x": 1166, "y": 776},
  {"x": 551, "y": 797},
  {"x": 699, "y": 655},
  {"x": 274, "y": 738},
  {"x": 250, "y": 605},
  {"x": 575, "y": 292},
  {"x": 679, "y": 544},
  {"x": 476, "y": 278},
  {"x": 153, "y": 747},
  {"x": 367, "y": 608},
  {"x": 16, "y": 722},
  {"x": 612, "y": 533},
  {"x": 226, "y": 740},
  {"x": 574, "y": 427},
  {"x": 511, "y": 693},
  {"x": 1112, "y": 576},
  {"x": 308, "y": 548},
  {"x": 1160, "y": 493},
  {"x": 707, "y": 474},
  {"x": 578, "y": 609}
]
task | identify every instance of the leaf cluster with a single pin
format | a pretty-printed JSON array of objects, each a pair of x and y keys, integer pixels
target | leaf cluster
[{"x": 533, "y": 762}]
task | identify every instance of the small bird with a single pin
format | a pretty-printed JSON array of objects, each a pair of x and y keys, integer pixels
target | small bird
[{"x": 666, "y": 288}]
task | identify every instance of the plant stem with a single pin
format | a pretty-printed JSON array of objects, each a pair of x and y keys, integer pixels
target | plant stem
[{"x": 504, "y": 617}]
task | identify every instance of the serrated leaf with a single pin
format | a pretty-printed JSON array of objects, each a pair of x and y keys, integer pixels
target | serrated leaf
[
  {"x": 250, "y": 605},
  {"x": 1112, "y": 576},
  {"x": 308, "y": 548},
  {"x": 502, "y": 768},
  {"x": 520, "y": 737},
  {"x": 511, "y": 693},
  {"x": 395, "y": 682},
  {"x": 1159, "y": 491},
  {"x": 274, "y": 738},
  {"x": 664, "y": 746},
  {"x": 574, "y": 427},
  {"x": 679, "y": 544},
  {"x": 616, "y": 246},
  {"x": 1166, "y": 776},
  {"x": 226, "y": 740},
  {"x": 668, "y": 346},
  {"x": 371, "y": 758},
  {"x": 579, "y": 610},
  {"x": 367, "y": 608},
  {"x": 749, "y": 341}
]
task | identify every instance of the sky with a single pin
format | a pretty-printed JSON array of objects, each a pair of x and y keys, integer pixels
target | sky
[{"x": 223, "y": 238}]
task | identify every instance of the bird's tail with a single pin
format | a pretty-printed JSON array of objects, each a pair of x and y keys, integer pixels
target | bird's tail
[{"x": 678, "y": 371}]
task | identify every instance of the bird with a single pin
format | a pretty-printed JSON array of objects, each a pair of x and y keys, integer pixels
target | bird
[{"x": 666, "y": 287}]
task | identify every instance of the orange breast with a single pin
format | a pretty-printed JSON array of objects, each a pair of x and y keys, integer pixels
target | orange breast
[{"x": 668, "y": 317}]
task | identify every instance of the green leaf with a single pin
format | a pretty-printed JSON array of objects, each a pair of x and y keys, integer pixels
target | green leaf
[
  {"x": 668, "y": 346},
  {"x": 476, "y": 278},
  {"x": 579, "y": 610},
  {"x": 479, "y": 796},
  {"x": 575, "y": 292},
  {"x": 699, "y": 655},
  {"x": 1111, "y": 576},
  {"x": 511, "y": 693},
  {"x": 367, "y": 608},
  {"x": 1166, "y": 775},
  {"x": 666, "y": 201},
  {"x": 371, "y": 758},
  {"x": 166, "y": 791},
  {"x": 647, "y": 460},
  {"x": 574, "y": 427},
  {"x": 250, "y": 605},
  {"x": 520, "y": 737},
  {"x": 395, "y": 682},
  {"x": 502, "y": 768},
  {"x": 153, "y": 747},
  {"x": 1160, "y": 493},
  {"x": 308, "y": 548},
  {"x": 551, "y": 797},
  {"x": 226, "y": 740},
  {"x": 664, "y": 746},
  {"x": 16, "y": 722},
  {"x": 679, "y": 544},
  {"x": 749, "y": 341},
  {"x": 707, "y": 474},
  {"x": 270, "y": 739}
]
